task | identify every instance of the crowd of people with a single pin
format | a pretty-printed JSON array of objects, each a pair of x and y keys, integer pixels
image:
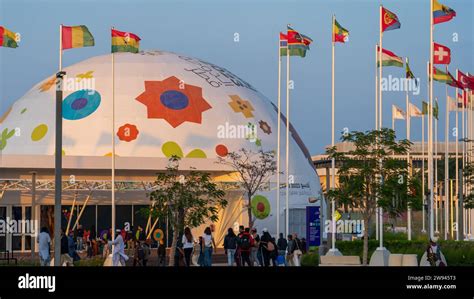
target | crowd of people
[{"x": 246, "y": 248}]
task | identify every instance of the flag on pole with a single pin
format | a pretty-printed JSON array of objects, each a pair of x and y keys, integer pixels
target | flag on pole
[
  {"x": 441, "y": 76},
  {"x": 453, "y": 82},
  {"x": 125, "y": 42},
  {"x": 442, "y": 13},
  {"x": 415, "y": 111},
  {"x": 441, "y": 54},
  {"x": 398, "y": 113},
  {"x": 8, "y": 39},
  {"x": 465, "y": 80},
  {"x": 297, "y": 43},
  {"x": 389, "y": 58},
  {"x": 76, "y": 37},
  {"x": 340, "y": 34},
  {"x": 436, "y": 109},
  {"x": 389, "y": 20},
  {"x": 409, "y": 73},
  {"x": 462, "y": 98},
  {"x": 454, "y": 105},
  {"x": 425, "y": 107}
]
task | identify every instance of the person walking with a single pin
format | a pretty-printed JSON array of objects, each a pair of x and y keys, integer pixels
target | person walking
[
  {"x": 289, "y": 251},
  {"x": 161, "y": 253},
  {"x": 266, "y": 247},
  {"x": 65, "y": 258},
  {"x": 208, "y": 245},
  {"x": 238, "y": 258},
  {"x": 118, "y": 255},
  {"x": 297, "y": 250},
  {"x": 230, "y": 246},
  {"x": 80, "y": 237},
  {"x": 188, "y": 245},
  {"x": 255, "y": 253},
  {"x": 282, "y": 244},
  {"x": 246, "y": 243},
  {"x": 44, "y": 241}
]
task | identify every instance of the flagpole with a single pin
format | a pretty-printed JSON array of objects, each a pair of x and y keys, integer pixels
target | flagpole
[
  {"x": 287, "y": 212},
  {"x": 423, "y": 229},
  {"x": 113, "y": 148},
  {"x": 446, "y": 165},
  {"x": 380, "y": 118},
  {"x": 457, "y": 159},
  {"x": 408, "y": 156},
  {"x": 333, "y": 162},
  {"x": 436, "y": 183},
  {"x": 463, "y": 121},
  {"x": 58, "y": 154},
  {"x": 376, "y": 128},
  {"x": 430, "y": 148},
  {"x": 278, "y": 137}
]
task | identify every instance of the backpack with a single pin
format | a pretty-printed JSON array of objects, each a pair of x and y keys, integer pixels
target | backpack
[{"x": 245, "y": 242}]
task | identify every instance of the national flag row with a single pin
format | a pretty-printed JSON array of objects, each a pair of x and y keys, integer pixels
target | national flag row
[
  {"x": 414, "y": 111},
  {"x": 79, "y": 37}
]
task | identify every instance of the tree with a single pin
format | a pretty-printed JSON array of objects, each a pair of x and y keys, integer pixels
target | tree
[
  {"x": 468, "y": 174},
  {"x": 369, "y": 176},
  {"x": 254, "y": 169},
  {"x": 185, "y": 200}
]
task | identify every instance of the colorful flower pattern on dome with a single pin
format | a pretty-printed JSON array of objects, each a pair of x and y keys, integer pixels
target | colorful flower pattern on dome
[
  {"x": 86, "y": 75},
  {"x": 222, "y": 150},
  {"x": 6, "y": 134},
  {"x": 47, "y": 84},
  {"x": 81, "y": 104},
  {"x": 127, "y": 132},
  {"x": 265, "y": 127},
  {"x": 171, "y": 149},
  {"x": 243, "y": 106},
  {"x": 173, "y": 101},
  {"x": 5, "y": 115},
  {"x": 39, "y": 132}
]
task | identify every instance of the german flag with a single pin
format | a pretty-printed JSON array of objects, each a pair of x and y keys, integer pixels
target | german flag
[
  {"x": 76, "y": 37},
  {"x": 125, "y": 42},
  {"x": 8, "y": 38}
]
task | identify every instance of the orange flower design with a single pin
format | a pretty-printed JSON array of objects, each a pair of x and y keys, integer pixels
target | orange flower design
[
  {"x": 127, "y": 132},
  {"x": 240, "y": 105},
  {"x": 173, "y": 101}
]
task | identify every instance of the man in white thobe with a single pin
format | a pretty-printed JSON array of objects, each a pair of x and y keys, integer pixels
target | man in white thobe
[{"x": 118, "y": 255}]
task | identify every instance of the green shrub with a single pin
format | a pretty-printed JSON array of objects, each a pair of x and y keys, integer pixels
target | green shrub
[
  {"x": 97, "y": 261},
  {"x": 310, "y": 259},
  {"x": 457, "y": 253}
]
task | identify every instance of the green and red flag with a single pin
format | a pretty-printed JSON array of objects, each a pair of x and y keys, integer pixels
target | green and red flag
[
  {"x": 8, "y": 39},
  {"x": 76, "y": 37},
  {"x": 339, "y": 33},
  {"x": 125, "y": 42},
  {"x": 297, "y": 43},
  {"x": 389, "y": 58},
  {"x": 389, "y": 20}
]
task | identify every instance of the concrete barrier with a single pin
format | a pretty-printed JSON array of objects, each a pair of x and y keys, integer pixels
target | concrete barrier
[{"x": 343, "y": 260}]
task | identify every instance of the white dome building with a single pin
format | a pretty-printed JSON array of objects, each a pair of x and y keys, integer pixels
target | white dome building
[{"x": 165, "y": 104}]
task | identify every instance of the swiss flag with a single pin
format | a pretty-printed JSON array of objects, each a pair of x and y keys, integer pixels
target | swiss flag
[
  {"x": 441, "y": 54},
  {"x": 465, "y": 80}
]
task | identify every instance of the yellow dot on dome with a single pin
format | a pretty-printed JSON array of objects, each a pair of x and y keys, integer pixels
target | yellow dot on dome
[{"x": 39, "y": 132}]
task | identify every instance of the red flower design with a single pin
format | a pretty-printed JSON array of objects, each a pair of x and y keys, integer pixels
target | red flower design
[{"x": 127, "y": 132}]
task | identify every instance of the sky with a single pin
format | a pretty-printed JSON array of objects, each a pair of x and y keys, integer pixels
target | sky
[{"x": 206, "y": 29}]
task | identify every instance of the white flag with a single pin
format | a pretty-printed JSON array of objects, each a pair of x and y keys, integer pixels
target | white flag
[
  {"x": 398, "y": 113},
  {"x": 453, "y": 104},
  {"x": 415, "y": 111}
]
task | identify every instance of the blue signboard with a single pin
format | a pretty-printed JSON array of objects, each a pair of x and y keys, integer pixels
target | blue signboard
[{"x": 313, "y": 227}]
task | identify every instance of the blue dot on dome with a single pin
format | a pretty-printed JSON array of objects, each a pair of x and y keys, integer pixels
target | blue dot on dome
[
  {"x": 81, "y": 104},
  {"x": 174, "y": 99}
]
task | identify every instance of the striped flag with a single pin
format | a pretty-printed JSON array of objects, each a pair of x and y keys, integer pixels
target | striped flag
[
  {"x": 76, "y": 37},
  {"x": 389, "y": 58},
  {"x": 125, "y": 42},
  {"x": 8, "y": 39}
]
